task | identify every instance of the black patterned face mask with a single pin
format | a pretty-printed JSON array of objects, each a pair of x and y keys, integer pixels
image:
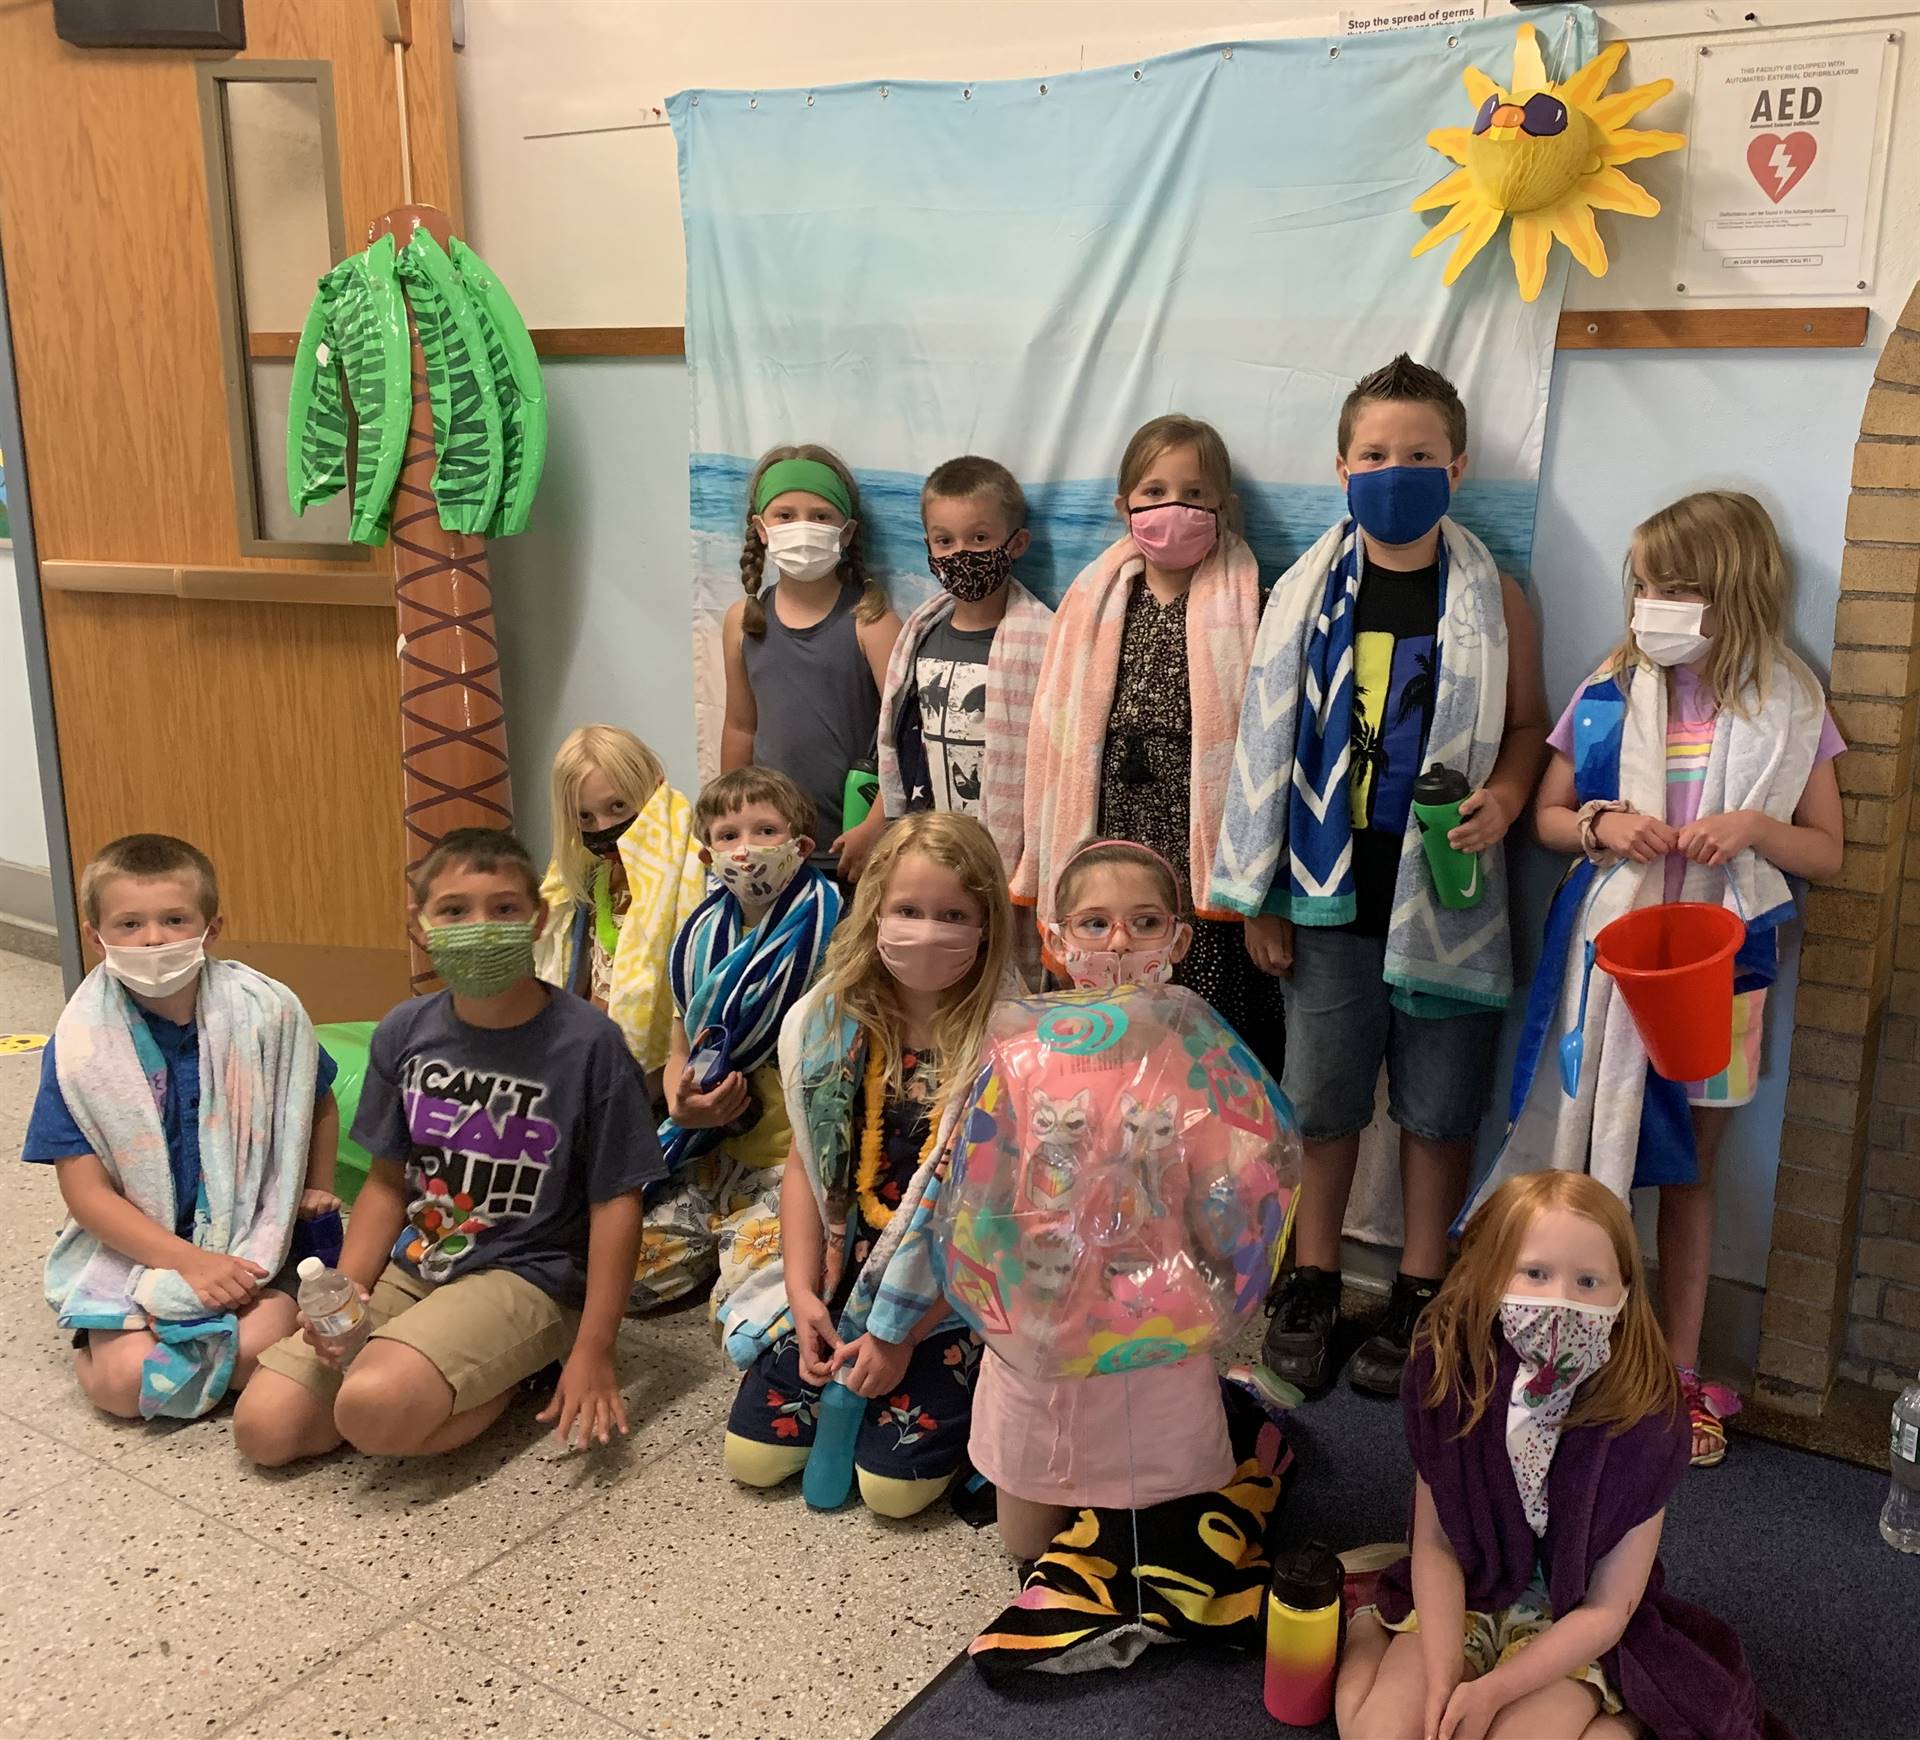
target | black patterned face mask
[
  {"x": 971, "y": 575},
  {"x": 605, "y": 842}
]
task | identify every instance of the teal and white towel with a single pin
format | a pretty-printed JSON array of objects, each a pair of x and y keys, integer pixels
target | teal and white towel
[
  {"x": 258, "y": 1059},
  {"x": 1286, "y": 842}
]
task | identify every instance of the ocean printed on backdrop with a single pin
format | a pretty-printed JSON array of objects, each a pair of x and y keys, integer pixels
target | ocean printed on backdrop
[{"x": 1030, "y": 269}]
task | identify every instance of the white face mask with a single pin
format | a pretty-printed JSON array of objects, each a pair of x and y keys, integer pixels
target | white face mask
[
  {"x": 1668, "y": 632},
  {"x": 157, "y": 972},
  {"x": 756, "y": 875},
  {"x": 805, "y": 549}
]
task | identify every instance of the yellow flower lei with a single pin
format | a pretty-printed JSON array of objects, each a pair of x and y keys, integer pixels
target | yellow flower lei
[{"x": 873, "y": 1135}]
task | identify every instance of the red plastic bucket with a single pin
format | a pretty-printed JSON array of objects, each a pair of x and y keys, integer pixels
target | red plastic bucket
[{"x": 1674, "y": 966}]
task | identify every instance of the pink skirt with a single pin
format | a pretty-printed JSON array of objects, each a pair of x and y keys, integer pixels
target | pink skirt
[{"x": 1116, "y": 1442}]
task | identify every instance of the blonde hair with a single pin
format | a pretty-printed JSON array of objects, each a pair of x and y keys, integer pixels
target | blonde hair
[
  {"x": 1461, "y": 1326},
  {"x": 1724, "y": 542},
  {"x": 632, "y": 769},
  {"x": 857, "y": 982},
  {"x": 1163, "y": 434},
  {"x": 753, "y": 553},
  {"x": 144, "y": 857}
]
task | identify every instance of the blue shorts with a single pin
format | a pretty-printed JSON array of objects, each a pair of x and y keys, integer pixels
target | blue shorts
[{"x": 1341, "y": 1022}]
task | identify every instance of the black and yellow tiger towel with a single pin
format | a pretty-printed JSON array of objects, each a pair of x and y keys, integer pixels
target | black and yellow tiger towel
[{"x": 1199, "y": 1571}]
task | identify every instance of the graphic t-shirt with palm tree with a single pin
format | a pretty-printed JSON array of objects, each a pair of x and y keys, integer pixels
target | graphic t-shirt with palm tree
[{"x": 1396, "y": 627}]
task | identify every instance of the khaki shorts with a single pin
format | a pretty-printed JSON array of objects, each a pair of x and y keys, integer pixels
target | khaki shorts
[{"x": 484, "y": 1333}]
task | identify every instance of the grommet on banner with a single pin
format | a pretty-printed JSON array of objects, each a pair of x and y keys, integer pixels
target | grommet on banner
[
  {"x": 1043, "y": 90},
  {"x": 1333, "y": 54},
  {"x": 967, "y": 92},
  {"x": 1136, "y": 75},
  {"x": 886, "y": 90},
  {"x": 809, "y": 99},
  {"x": 753, "y": 102},
  {"x": 1226, "y": 54}
]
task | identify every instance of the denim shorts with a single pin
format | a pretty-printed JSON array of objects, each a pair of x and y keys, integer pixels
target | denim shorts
[{"x": 1341, "y": 1022}]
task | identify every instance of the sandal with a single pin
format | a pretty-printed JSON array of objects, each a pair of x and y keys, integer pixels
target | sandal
[{"x": 1707, "y": 1405}]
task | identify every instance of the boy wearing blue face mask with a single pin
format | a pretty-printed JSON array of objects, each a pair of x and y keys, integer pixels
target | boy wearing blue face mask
[
  {"x": 189, "y": 1116},
  {"x": 1392, "y": 645}
]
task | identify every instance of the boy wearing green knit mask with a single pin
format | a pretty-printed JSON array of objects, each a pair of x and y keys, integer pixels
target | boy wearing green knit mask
[{"x": 498, "y": 1227}]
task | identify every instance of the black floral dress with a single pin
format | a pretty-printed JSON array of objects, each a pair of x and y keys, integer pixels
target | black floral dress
[
  {"x": 1146, "y": 790},
  {"x": 919, "y": 1432}
]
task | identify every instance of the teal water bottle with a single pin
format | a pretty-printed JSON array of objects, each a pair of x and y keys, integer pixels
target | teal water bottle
[{"x": 1437, "y": 796}]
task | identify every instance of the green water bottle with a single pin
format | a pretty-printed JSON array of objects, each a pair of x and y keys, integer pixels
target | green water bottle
[
  {"x": 857, "y": 797},
  {"x": 1437, "y": 796}
]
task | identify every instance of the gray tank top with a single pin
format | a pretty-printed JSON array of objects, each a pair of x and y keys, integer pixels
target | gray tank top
[{"x": 816, "y": 707}]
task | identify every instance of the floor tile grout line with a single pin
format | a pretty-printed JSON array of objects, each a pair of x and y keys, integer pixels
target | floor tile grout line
[
  {"x": 533, "y": 1677},
  {"x": 325, "y": 1659}
]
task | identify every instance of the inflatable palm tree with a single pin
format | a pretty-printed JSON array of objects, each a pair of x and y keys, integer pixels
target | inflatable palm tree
[{"x": 416, "y": 386}]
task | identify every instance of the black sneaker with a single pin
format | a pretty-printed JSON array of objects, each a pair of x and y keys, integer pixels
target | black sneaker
[
  {"x": 1299, "y": 1343},
  {"x": 1376, "y": 1367}
]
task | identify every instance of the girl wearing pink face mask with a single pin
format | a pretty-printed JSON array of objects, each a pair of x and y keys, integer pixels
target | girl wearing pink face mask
[
  {"x": 1138, "y": 705},
  {"x": 869, "y": 1059}
]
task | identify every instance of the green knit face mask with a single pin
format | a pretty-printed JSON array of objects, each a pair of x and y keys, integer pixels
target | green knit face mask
[{"x": 484, "y": 958}]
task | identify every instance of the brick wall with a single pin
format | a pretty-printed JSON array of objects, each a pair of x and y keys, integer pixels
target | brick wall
[{"x": 1849, "y": 1180}]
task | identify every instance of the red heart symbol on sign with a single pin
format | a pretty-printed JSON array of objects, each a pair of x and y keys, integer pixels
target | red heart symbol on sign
[{"x": 1777, "y": 164}]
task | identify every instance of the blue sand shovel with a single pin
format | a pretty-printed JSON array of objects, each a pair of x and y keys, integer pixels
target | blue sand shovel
[
  {"x": 829, "y": 1473},
  {"x": 1573, "y": 1043}
]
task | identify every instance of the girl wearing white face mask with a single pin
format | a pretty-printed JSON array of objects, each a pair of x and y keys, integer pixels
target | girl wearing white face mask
[
  {"x": 1698, "y": 761},
  {"x": 806, "y": 661},
  {"x": 853, "y": 1327},
  {"x": 1547, "y": 1434}
]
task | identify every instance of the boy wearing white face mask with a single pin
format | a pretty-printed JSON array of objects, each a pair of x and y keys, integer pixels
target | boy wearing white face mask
[
  {"x": 743, "y": 959},
  {"x": 1695, "y": 764},
  {"x": 181, "y": 1213},
  {"x": 805, "y": 663}
]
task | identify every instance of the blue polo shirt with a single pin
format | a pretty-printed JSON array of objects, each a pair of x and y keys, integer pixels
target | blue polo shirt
[{"x": 53, "y": 1135}]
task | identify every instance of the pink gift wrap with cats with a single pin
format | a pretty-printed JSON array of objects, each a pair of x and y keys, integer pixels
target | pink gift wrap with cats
[{"x": 1121, "y": 1183}]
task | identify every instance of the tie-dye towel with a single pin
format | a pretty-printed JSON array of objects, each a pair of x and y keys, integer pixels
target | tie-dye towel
[{"x": 258, "y": 1059}]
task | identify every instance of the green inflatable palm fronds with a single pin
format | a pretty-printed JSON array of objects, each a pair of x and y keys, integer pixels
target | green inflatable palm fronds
[
  {"x": 354, "y": 337},
  {"x": 351, "y": 399},
  {"x": 460, "y": 384},
  {"x": 517, "y": 380}
]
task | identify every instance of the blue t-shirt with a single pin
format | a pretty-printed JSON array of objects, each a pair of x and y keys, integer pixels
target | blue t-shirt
[
  {"x": 53, "y": 1135},
  {"x": 508, "y": 1136}
]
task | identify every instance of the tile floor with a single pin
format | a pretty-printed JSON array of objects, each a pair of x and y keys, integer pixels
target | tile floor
[{"x": 157, "y": 1587}]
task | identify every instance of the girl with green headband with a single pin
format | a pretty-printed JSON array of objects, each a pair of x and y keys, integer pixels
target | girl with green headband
[{"x": 806, "y": 659}]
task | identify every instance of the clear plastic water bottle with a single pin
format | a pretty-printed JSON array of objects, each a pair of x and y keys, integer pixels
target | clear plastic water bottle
[
  {"x": 332, "y": 1306},
  {"x": 1900, "y": 1521}
]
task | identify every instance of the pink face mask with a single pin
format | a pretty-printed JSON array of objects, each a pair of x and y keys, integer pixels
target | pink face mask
[
  {"x": 1102, "y": 969},
  {"x": 1174, "y": 534},
  {"x": 925, "y": 954}
]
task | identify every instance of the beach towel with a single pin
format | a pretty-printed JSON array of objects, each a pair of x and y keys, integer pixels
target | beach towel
[
  {"x": 665, "y": 882},
  {"x": 822, "y": 1059},
  {"x": 745, "y": 981},
  {"x": 1075, "y": 697},
  {"x": 1286, "y": 842},
  {"x": 258, "y": 1059},
  {"x": 1624, "y": 1124},
  {"x": 1013, "y": 674}
]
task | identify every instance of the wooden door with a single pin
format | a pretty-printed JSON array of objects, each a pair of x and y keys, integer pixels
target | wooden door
[{"x": 204, "y": 683}]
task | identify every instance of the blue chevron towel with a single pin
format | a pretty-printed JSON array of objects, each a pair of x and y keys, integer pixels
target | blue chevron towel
[
  {"x": 1288, "y": 793},
  {"x": 745, "y": 980}
]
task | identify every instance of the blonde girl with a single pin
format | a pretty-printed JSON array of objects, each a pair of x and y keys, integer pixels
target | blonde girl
[
  {"x": 617, "y": 823},
  {"x": 1548, "y": 1435},
  {"x": 1697, "y": 764},
  {"x": 871, "y": 1058},
  {"x": 806, "y": 658},
  {"x": 1139, "y": 702}
]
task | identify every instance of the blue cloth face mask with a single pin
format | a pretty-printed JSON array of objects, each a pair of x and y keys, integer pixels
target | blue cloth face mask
[{"x": 1399, "y": 503}]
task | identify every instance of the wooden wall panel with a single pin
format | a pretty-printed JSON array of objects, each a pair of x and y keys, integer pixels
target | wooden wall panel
[{"x": 268, "y": 733}]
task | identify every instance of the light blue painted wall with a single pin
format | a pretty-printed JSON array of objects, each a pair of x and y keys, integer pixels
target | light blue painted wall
[{"x": 595, "y": 618}]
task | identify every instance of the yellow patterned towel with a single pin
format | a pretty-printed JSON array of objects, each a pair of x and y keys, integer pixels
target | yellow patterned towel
[{"x": 665, "y": 882}]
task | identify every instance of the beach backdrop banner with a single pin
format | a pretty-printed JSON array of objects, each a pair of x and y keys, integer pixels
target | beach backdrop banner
[{"x": 1030, "y": 269}]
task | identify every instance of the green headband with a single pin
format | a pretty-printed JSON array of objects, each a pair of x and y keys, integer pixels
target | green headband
[{"x": 808, "y": 474}]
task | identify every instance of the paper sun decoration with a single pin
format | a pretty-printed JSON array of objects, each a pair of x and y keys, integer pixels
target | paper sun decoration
[{"x": 1547, "y": 153}]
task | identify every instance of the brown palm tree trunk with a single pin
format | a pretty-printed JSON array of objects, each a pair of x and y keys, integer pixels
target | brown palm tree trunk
[{"x": 453, "y": 728}]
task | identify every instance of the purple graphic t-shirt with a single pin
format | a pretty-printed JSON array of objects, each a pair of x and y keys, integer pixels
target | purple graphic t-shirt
[{"x": 508, "y": 1136}]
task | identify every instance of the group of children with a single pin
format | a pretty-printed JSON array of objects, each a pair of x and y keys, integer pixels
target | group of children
[{"x": 719, "y": 1045}]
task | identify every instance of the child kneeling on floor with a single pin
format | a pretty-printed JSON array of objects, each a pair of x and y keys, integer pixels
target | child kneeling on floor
[
  {"x": 870, "y": 1059},
  {"x": 742, "y": 960},
  {"x": 497, "y": 1229},
  {"x": 1548, "y": 1434},
  {"x": 189, "y": 1115}
]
